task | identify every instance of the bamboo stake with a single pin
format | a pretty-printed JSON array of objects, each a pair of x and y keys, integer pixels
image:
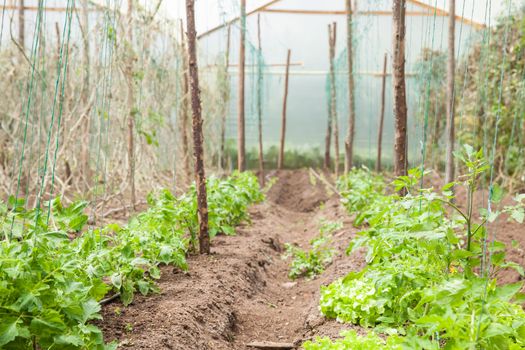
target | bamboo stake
[
  {"x": 400, "y": 104},
  {"x": 328, "y": 136},
  {"x": 332, "y": 31},
  {"x": 21, "y": 25},
  {"x": 131, "y": 104},
  {"x": 259, "y": 102},
  {"x": 381, "y": 116},
  {"x": 449, "y": 166},
  {"x": 184, "y": 107},
  {"x": 280, "y": 162},
  {"x": 200, "y": 176},
  {"x": 225, "y": 99},
  {"x": 85, "y": 171},
  {"x": 349, "y": 143},
  {"x": 241, "y": 142}
]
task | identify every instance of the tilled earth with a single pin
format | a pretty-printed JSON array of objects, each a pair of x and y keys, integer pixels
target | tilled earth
[{"x": 241, "y": 292}]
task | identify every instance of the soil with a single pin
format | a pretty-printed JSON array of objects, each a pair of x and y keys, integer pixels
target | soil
[{"x": 241, "y": 293}]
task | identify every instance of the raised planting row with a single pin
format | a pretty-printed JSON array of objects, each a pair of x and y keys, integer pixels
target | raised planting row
[
  {"x": 53, "y": 275},
  {"x": 431, "y": 276}
]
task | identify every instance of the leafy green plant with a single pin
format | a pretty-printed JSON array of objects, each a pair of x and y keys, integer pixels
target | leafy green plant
[
  {"x": 352, "y": 341},
  {"x": 51, "y": 283},
  {"x": 312, "y": 262},
  {"x": 430, "y": 276}
]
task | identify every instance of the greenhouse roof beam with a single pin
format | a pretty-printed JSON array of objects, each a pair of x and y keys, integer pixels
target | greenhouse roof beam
[
  {"x": 45, "y": 8},
  {"x": 236, "y": 19}
]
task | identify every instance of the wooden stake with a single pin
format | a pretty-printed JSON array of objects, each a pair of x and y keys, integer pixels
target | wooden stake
[
  {"x": 184, "y": 107},
  {"x": 259, "y": 103},
  {"x": 328, "y": 136},
  {"x": 22, "y": 25},
  {"x": 381, "y": 116},
  {"x": 349, "y": 142},
  {"x": 449, "y": 165},
  {"x": 85, "y": 171},
  {"x": 225, "y": 99},
  {"x": 332, "y": 32},
  {"x": 241, "y": 142},
  {"x": 400, "y": 104},
  {"x": 131, "y": 104},
  {"x": 280, "y": 161},
  {"x": 200, "y": 176}
]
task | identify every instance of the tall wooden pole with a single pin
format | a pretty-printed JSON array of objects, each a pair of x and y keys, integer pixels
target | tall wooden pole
[
  {"x": 349, "y": 142},
  {"x": 332, "y": 32},
  {"x": 449, "y": 165},
  {"x": 225, "y": 98},
  {"x": 22, "y": 25},
  {"x": 381, "y": 116},
  {"x": 328, "y": 135},
  {"x": 131, "y": 105},
  {"x": 280, "y": 161},
  {"x": 259, "y": 101},
  {"x": 398, "y": 78},
  {"x": 241, "y": 142},
  {"x": 185, "y": 106},
  {"x": 85, "y": 92},
  {"x": 198, "y": 152}
]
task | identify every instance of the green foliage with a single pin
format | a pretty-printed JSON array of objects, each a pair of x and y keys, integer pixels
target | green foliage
[
  {"x": 312, "y": 262},
  {"x": 352, "y": 341},
  {"x": 359, "y": 190},
  {"x": 51, "y": 284},
  {"x": 496, "y": 61},
  {"x": 427, "y": 276}
]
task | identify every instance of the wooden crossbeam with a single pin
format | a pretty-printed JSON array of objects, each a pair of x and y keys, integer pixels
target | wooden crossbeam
[
  {"x": 342, "y": 12},
  {"x": 45, "y": 8},
  {"x": 429, "y": 13},
  {"x": 236, "y": 19},
  {"x": 443, "y": 13}
]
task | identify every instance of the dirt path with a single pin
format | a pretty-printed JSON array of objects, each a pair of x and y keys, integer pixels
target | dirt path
[{"x": 241, "y": 293}]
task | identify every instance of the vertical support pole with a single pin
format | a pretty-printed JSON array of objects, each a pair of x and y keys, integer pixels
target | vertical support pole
[
  {"x": 349, "y": 142},
  {"x": 85, "y": 171},
  {"x": 184, "y": 107},
  {"x": 241, "y": 142},
  {"x": 22, "y": 24},
  {"x": 328, "y": 135},
  {"x": 399, "y": 85},
  {"x": 200, "y": 176},
  {"x": 280, "y": 161},
  {"x": 332, "y": 32},
  {"x": 225, "y": 98},
  {"x": 132, "y": 111},
  {"x": 449, "y": 165},
  {"x": 381, "y": 115},
  {"x": 259, "y": 101}
]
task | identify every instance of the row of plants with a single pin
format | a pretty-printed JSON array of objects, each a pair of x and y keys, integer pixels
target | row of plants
[
  {"x": 54, "y": 274},
  {"x": 312, "y": 262},
  {"x": 431, "y": 276}
]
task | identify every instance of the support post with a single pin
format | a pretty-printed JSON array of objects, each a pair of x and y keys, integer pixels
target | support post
[
  {"x": 185, "y": 106},
  {"x": 259, "y": 101},
  {"x": 200, "y": 176},
  {"x": 399, "y": 86},
  {"x": 449, "y": 165},
  {"x": 280, "y": 162},
  {"x": 381, "y": 116},
  {"x": 22, "y": 25},
  {"x": 225, "y": 98},
  {"x": 85, "y": 171},
  {"x": 132, "y": 111},
  {"x": 241, "y": 142},
  {"x": 349, "y": 142},
  {"x": 332, "y": 32}
]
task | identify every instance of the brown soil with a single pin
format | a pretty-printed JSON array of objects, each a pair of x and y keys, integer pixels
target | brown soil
[{"x": 241, "y": 293}]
